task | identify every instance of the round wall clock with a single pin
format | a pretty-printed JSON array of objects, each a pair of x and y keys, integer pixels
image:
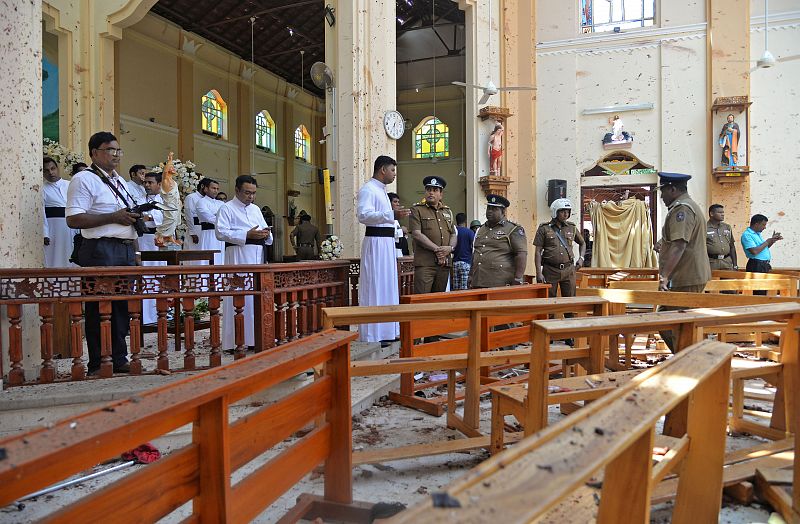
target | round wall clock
[{"x": 393, "y": 124}]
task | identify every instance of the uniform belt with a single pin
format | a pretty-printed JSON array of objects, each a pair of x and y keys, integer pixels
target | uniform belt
[
  {"x": 55, "y": 212},
  {"x": 559, "y": 266},
  {"x": 151, "y": 231},
  {"x": 374, "y": 231},
  {"x": 125, "y": 241},
  {"x": 305, "y": 244},
  {"x": 250, "y": 242},
  {"x": 196, "y": 221},
  {"x": 206, "y": 226},
  {"x": 719, "y": 257}
]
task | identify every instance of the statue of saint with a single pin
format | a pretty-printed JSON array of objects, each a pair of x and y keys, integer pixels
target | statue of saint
[
  {"x": 496, "y": 150},
  {"x": 729, "y": 142}
]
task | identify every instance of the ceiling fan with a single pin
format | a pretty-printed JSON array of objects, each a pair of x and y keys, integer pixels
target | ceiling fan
[
  {"x": 767, "y": 59},
  {"x": 490, "y": 89}
]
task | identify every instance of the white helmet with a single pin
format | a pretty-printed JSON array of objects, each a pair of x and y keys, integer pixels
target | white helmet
[{"x": 560, "y": 203}]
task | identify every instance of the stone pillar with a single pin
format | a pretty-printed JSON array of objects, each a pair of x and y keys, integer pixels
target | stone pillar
[
  {"x": 360, "y": 49},
  {"x": 88, "y": 31},
  {"x": 728, "y": 44},
  {"x": 482, "y": 65},
  {"x": 21, "y": 151},
  {"x": 519, "y": 69}
]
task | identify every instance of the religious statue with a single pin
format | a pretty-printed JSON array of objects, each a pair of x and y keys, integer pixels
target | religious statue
[
  {"x": 496, "y": 149},
  {"x": 618, "y": 135},
  {"x": 165, "y": 232},
  {"x": 729, "y": 142}
]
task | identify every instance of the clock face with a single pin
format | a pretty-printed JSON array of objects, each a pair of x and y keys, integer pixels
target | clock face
[{"x": 394, "y": 124}]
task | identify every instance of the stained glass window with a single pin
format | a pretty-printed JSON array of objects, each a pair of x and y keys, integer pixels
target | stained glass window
[
  {"x": 265, "y": 131},
  {"x": 431, "y": 139},
  {"x": 598, "y": 16},
  {"x": 213, "y": 111},
  {"x": 302, "y": 144}
]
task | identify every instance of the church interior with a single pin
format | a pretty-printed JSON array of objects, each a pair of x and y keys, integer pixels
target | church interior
[{"x": 595, "y": 98}]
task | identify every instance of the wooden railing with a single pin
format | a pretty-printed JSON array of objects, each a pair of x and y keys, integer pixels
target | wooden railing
[
  {"x": 288, "y": 301},
  {"x": 548, "y": 477},
  {"x": 405, "y": 277},
  {"x": 201, "y": 471}
]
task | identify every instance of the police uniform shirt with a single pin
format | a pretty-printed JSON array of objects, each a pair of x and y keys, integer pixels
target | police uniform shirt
[
  {"x": 684, "y": 222},
  {"x": 553, "y": 251},
  {"x": 494, "y": 251},
  {"x": 435, "y": 223},
  {"x": 719, "y": 240},
  {"x": 307, "y": 234}
]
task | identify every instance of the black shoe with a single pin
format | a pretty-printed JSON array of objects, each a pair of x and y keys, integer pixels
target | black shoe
[
  {"x": 93, "y": 372},
  {"x": 122, "y": 368}
]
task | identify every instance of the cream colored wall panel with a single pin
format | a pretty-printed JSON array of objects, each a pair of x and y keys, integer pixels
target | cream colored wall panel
[
  {"x": 145, "y": 142},
  {"x": 148, "y": 80},
  {"x": 217, "y": 159},
  {"x": 672, "y": 13},
  {"x": 775, "y": 180},
  {"x": 557, "y": 20}
]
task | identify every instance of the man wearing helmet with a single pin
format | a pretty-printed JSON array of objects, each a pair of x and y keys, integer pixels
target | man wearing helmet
[{"x": 555, "y": 264}]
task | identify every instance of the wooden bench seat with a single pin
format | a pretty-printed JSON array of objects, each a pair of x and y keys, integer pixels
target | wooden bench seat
[{"x": 513, "y": 399}]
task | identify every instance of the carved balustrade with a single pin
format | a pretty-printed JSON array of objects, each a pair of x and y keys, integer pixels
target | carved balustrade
[
  {"x": 405, "y": 277},
  {"x": 287, "y": 300}
]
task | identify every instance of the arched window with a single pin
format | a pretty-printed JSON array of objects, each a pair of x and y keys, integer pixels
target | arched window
[
  {"x": 302, "y": 144},
  {"x": 431, "y": 139},
  {"x": 265, "y": 131},
  {"x": 214, "y": 113}
]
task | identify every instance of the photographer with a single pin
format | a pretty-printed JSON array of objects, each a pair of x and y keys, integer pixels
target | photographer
[{"x": 97, "y": 204}]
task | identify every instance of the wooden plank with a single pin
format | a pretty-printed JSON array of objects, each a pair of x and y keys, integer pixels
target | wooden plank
[
  {"x": 339, "y": 464},
  {"x": 264, "y": 485},
  {"x": 365, "y": 368},
  {"x": 176, "y": 476},
  {"x": 687, "y": 300},
  {"x": 530, "y": 478},
  {"x": 211, "y": 434},
  {"x": 777, "y": 497},
  {"x": 626, "y": 484},
  {"x": 252, "y": 434},
  {"x": 472, "y": 416},
  {"x": 671, "y": 459},
  {"x": 742, "y": 492},
  {"x": 376, "y": 456}
]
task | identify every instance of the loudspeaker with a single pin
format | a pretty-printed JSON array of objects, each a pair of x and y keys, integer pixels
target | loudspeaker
[{"x": 556, "y": 189}]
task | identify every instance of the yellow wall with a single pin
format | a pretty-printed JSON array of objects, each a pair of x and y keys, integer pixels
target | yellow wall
[{"x": 148, "y": 99}]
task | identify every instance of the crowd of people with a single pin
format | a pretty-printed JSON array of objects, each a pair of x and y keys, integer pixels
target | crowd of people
[{"x": 93, "y": 220}]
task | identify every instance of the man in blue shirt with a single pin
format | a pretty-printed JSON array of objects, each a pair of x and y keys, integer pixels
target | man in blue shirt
[
  {"x": 756, "y": 248},
  {"x": 462, "y": 256}
]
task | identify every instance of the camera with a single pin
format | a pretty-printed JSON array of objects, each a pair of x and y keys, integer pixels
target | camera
[{"x": 141, "y": 209}]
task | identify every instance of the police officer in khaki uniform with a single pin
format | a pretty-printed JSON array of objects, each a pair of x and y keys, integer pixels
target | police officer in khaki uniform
[
  {"x": 500, "y": 250},
  {"x": 683, "y": 259},
  {"x": 719, "y": 240},
  {"x": 305, "y": 239},
  {"x": 555, "y": 263},
  {"x": 433, "y": 229}
]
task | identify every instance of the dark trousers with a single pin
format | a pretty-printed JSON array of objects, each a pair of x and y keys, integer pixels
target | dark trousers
[
  {"x": 104, "y": 252},
  {"x": 563, "y": 278},
  {"x": 431, "y": 279},
  {"x": 758, "y": 266}
]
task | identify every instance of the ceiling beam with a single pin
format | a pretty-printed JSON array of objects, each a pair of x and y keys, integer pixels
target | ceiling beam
[{"x": 264, "y": 12}]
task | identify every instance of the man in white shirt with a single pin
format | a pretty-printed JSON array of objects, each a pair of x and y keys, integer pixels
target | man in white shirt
[
  {"x": 192, "y": 239},
  {"x": 136, "y": 183},
  {"x": 57, "y": 235},
  {"x": 206, "y": 209},
  {"x": 108, "y": 237},
  {"x": 242, "y": 227},
  {"x": 147, "y": 242},
  {"x": 377, "y": 283}
]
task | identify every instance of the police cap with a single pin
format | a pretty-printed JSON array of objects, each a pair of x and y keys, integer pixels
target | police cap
[
  {"x": 497, "y": 200},
  {"x": 434, "y": 181}
]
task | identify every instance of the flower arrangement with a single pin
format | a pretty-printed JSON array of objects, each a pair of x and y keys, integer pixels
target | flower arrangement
[
  {"x": 331, "y": 248},
  {"x": 63, "y": 156},
  {"x": 187, "y": 179}
]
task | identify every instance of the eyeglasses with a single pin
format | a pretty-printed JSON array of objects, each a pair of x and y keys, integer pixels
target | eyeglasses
[{"x": 112, "y": 151}]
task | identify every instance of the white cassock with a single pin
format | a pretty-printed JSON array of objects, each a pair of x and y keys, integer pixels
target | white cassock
[
  {"x": 139, "y": 193},
  {"x": 192, "y": 223},
  {"x": 147, "y": 242},
  {"x": 377, "y": 283},
  {"x": 206, "y": 210},
  {"x": 54, "y": 195},
  {"x": 234, "y": 220}
]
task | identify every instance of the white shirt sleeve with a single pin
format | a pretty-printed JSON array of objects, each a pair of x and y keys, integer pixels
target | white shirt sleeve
[
  {"x": 368, "y": 213},
  {"x": 79, "y": 196},
  {"x": 45, "y": 225},
  {"x": 189, "y": 211},
  {"x": 225, "y": 230},
  {"x": 204, "y": 211}
]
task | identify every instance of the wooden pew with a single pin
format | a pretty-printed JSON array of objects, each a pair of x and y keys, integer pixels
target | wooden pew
[
  {"x": 686, "y": 324},
  {"x": 413, "y": 333},
  {"x": 786, "y": 287},
  {"x": 555, "y": 475},
  {"x": 601, "y": 276},
  {"x": 471, "y": 361},
  {"x": 201, "y": 472}
]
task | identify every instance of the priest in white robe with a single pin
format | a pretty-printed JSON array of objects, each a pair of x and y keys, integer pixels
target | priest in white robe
[
  {"x": 377, "y": 282},
  {"x": 206, "y": 209},
  {"x": 147, "y": 242},
  {"x": 57, "y": 235},
  {"x": 192, "y": 240},
  {"x": 242, "y": 227}
]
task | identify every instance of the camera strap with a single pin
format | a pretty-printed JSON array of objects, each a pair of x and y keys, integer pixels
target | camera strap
[{"x": 127, "y": 202}]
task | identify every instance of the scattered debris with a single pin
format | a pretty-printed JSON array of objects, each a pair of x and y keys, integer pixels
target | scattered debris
[{"x": 444, "y": 500}]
